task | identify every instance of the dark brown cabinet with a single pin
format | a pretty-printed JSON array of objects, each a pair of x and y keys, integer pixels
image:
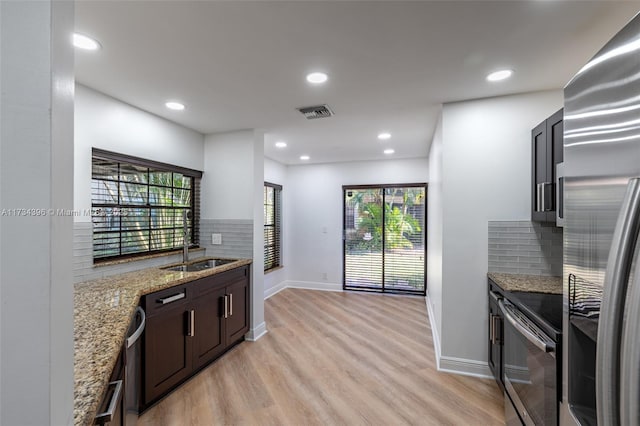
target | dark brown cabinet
[
  {"x": 167, "y": 357},
  {"x": 237, "y": 320},
  {"x": 111, "y": 410},
  {"x": 495, "y": 336},
  {"x": 190, "y": 325},
  {"x": 209, "y": 340},
  {"x": 546, "y": 153}
]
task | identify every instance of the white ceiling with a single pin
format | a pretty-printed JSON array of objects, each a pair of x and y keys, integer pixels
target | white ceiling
[{"x": 241, "y": 65}]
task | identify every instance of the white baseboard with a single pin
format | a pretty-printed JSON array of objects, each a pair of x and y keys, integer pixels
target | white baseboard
[
  {"x": 275, "y": 289},
  {"x": 256, "y": 333},
  {"x": 313, "y": 285},
  {"x": 465, "y": 367},
  {"x": 434, "y": 332},
  {"x": 449, "y": 364}
]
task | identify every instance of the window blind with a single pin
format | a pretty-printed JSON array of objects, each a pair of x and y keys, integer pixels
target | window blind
[
  {"x": 272, "y": 225},
  {"x": 138, "y": 205}
]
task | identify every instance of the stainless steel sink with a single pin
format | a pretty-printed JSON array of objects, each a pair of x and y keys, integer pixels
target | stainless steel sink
[{"x": 201, "y": 265}]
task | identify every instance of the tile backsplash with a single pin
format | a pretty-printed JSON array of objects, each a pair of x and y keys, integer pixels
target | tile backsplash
[
  {"x": 237, "y": 237},
  {"x": 523, "y": 247}
]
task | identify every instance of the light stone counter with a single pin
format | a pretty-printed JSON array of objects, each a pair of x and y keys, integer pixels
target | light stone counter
[
  {"x": 103, "y": 309},
  {"x": 528, "y": 283}
]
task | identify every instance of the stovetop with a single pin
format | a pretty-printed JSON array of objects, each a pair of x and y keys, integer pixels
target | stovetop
[{"x": 542, "y": 308}]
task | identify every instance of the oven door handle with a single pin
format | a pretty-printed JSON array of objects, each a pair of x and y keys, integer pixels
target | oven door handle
[{"x": 526, "y": 330}]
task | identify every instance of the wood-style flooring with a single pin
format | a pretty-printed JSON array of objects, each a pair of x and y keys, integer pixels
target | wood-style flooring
[{"x": 333, "y": 359}]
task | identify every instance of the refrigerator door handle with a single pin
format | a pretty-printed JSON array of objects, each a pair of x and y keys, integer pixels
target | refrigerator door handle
[
  {"x": 560, "y": 194},
  {"x": 612, "y": 308},
  {"x": 630, "y": 357}
]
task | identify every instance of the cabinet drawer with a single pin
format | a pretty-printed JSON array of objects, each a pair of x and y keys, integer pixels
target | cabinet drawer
[
  {"x": 232, "y": 275},
  {"x": 166, "y": 299},
  {"x": 206, "y": 285}
]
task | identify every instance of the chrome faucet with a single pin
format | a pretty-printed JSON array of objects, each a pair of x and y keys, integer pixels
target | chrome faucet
[{"x": 185, "y": 236}]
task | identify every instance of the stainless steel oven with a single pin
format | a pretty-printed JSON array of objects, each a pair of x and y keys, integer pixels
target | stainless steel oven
[{"x": 529, "y": 370}]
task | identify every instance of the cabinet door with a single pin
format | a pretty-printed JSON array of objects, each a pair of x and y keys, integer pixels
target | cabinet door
[
  {"x": 555, "y": 145},
  {"x": 538, "y": 170},
  {"x": 167, "y": 353},
  {"x": 495, "y": 337},
  {"x": 208, "y": 339},
  {"x": 237, "y": 321}
]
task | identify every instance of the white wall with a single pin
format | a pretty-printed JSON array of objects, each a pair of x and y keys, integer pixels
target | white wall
[
  {"x": 275, "y": 172},
  {"x": 232, "y": 188},
  {"x": 314, "y": 217},
  {"x": 486, "y": 163},
  {"x": 36, "y": 172},
  {"x": 434, "y": 228},
  {"x": 228, "y": 161},
  {"x": 107, "y": 123}
]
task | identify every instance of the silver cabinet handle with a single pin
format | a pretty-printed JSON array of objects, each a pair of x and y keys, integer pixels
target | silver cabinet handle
[
  {"x": 492, "y": 330},
  {"x": 172, "y": 298},
  {"x": 131, "y": 340},
  {"x": 496, "y": 330},
  {"x": 532, "y": 333},
  {"x": 107, "y": 416},
  {"x": 616, "y": 278},
  {"x": 226, "y": 307},
  {"x": 231, "y": 304},
  {"x": 192, "y": 323},
  {"x": 544, "y": 198},
  {"x": 538, "y": 198}
]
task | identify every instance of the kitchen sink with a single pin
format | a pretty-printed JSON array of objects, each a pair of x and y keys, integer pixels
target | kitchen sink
[{"x": 201, "y": 265}]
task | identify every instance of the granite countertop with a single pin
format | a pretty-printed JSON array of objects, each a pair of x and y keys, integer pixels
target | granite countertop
[
  {"x": 103, "y": 309},
  {"x": 527, "y": 283}
]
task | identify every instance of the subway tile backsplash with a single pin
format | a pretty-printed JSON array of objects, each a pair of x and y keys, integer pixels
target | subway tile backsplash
[
  {"x": 237, "y": 237},
  {"x": 523, "y": 247},
  {"x": 237, "y": 241}
]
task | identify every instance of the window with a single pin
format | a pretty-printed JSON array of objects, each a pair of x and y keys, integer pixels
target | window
[
  {"x": 385, "y": 238},
  {"x": 272, "y": 231},
  {"x": 139, "y": 206}
]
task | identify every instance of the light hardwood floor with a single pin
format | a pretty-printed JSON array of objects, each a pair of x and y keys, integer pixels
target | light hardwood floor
[{"x": 333, "y": 359}]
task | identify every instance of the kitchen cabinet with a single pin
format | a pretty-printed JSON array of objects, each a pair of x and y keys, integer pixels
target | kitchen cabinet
[
  {"x": 495, "y": 337},
  {"x": 111, "y": 411},
  {"x": 167, "y": 356},
  {"x": 191, "y": 325},
  {"x": 237, "y": 320},
  {"x": 546, "y": 154}
]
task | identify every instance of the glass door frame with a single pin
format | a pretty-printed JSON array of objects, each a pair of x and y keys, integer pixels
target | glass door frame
[{"x": 382, "y": 289}]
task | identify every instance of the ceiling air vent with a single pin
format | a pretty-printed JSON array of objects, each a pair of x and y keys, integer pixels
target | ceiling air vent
[{"x": 313, "y": 112}]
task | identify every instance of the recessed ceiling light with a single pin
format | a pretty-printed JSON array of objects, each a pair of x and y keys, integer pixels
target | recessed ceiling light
[
  {"x": 281, "y": 144},
  {"x": 384, "y": 136},
  {"x": 317, "y": 77},
  {"x": 304, "y": 157},
  {"x": 176, "y": 106},
  {"x": 499, "y": 75},
  {"x": 389, "y": 151},
  {"x": 82, "y": 41}
]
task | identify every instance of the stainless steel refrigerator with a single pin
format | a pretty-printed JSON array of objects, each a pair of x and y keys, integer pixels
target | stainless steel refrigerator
[{"x": 601, "y": 329}]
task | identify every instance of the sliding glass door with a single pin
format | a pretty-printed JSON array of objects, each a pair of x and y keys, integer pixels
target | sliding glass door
[{"x": 384, "y": 238}]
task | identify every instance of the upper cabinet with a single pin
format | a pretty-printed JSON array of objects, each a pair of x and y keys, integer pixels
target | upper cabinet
[{"x": 546, "y": 170}]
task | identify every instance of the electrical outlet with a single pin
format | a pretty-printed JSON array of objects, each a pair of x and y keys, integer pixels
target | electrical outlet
[
  {"x": 216, "y": 239},
  {"x": 324, "y": 276}
]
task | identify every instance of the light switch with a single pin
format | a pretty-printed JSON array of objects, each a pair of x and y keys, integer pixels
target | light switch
[{"x": 216, "y": 239}]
